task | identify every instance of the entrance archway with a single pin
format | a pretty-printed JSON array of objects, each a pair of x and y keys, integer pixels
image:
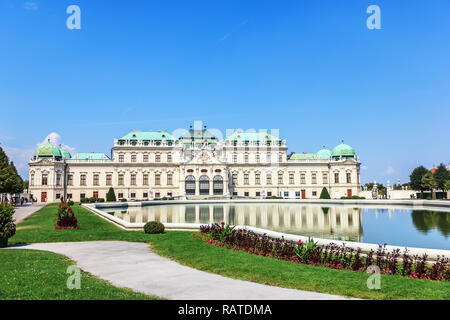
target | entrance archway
[
  {"x": 190, "y": 185},
  {"x": 218, "y": 185},
  {"x": 204, "y": 185}
]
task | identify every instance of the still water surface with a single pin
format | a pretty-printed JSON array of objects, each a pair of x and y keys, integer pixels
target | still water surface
[{"x": 394, "y": 226}]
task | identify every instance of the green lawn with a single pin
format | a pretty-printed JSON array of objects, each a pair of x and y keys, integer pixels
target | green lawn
[
  {"x": 33, "y": 275},
  {"x": 185, "y": 248}
]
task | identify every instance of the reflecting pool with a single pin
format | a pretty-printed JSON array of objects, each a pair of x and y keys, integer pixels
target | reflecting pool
[{"x": 396, "y": 226}]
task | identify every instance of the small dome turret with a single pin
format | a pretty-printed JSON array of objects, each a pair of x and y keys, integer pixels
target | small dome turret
[{"x": 343, "y": 151}]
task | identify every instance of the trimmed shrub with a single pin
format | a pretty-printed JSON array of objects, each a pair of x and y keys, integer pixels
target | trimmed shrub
[
  {"x": 111, "y": 196},
  {"x": 100, "y": 200},
  {"x": 71, "y": 203},
  {"x": 123, "y": 200},
  {"x": 92, "y": 199},
  {"x": 154, "y": 227},
  {"x": 84, "y": 200},
  {"x": 324, "y": 194},
  {"x": 7, "y": 225}
]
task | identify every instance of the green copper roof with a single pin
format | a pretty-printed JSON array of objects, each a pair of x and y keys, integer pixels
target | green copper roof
[
  {"x": 304, "y": 156},
  {"x": 151, "y": 135},
  {"x": 198, "y": 134},
  {"x": 250, "y": 136},
  {"x": 90, "y": 156},
  {"x": 48, "y": 150},
  {"x": 343, "y": 150},
  {"x": 324, "y": 153},
  {"x": 65, "y": 153}
]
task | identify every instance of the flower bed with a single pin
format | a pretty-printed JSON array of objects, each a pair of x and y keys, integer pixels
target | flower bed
[
  {"x": 331, "y": 255},
  {"x": 65, "y": 219}
]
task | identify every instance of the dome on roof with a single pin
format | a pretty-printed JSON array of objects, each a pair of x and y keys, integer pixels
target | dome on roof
[
  {"x": 343, "y": 150},
  {"x": 324, "y": 153},
  {"x": 48, "y": 150},
  {"x": 66, "y": 154}
]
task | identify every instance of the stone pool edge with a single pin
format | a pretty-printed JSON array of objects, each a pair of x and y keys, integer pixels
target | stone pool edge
[{"x": 365, "y": 247}]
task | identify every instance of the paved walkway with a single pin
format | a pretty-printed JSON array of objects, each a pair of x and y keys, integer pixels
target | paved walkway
[
  {"x": 135, "y": 266},
  {"x": 22, "y": 212}
]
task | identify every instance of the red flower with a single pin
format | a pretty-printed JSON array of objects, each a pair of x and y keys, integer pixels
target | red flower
[{"x": 300, "y": 242}]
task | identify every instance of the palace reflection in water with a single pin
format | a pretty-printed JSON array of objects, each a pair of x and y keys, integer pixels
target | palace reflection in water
[{"x": 341, "y": 223}]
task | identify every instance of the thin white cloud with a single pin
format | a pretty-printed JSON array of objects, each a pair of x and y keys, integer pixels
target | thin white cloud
[
  {"x": 226, "y": 36},
  {"x": 55, "y": 138},
  {"x": 20, "y": 157},
  {"x": 30, "y": 6},
  {"x": 389, "y": 171}
]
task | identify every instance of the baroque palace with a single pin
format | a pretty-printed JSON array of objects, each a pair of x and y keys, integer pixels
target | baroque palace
[{"x": 195, "y": 165}]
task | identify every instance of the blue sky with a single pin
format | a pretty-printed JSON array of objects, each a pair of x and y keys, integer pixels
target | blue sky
[{"x": 311, "y": 69}]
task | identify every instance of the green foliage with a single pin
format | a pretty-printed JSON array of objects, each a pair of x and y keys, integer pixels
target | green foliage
[
  {"x": 304, "y": 250},
  {"x": 416, "y": 178},
  {"x": 324, "y": 194},
  {"x": 92, "y": 199},
  {"x": 441, "y": 176},
  {"x": 100, "y": 200},
  {"x": 428, "y": 181},
  {"x": 111, "y": 196},
  {"x": 123, "y": 200},
  {"x": 10, "y": 181},
  {"x": 154, "y": 227},
  {"x": 222, "y": 231},
  {"x": 7, "y": 225},
  {"x": 84, "y": 200},
  {"x": 70, "y": 203},
  {"x": 447, "y": 185}
]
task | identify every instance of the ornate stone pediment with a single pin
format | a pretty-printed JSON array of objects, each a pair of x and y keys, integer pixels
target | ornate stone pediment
[{"x": 203, "y": 156}]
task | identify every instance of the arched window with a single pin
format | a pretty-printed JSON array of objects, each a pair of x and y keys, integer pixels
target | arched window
[
  {"x": 218, "y": 185},
  {"x": 204, "y": 185},
  {"x": 190, "y": 185}
]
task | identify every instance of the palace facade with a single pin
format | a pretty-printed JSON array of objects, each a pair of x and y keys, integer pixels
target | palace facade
[{"x": 195, "y": 165}]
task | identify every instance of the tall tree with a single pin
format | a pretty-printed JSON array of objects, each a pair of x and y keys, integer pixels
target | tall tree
[
  {"x": 428, "y": 181},
  {"x": 416, "y": 178},
  {"x": 4, "y": 171},
  {"x": 17, "y": 182},
  {"x": 441, "y": 175}
]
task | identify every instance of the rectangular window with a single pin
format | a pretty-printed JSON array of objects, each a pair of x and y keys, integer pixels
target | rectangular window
[
  {"x": 246, "y": 194},
  {"x": 314, "y": 193},
  {"x": 235, "y": 179},
  {"x": 336, "y": 177},
  {"x": 325, "y": 178},
  {"x": 157, "y": 157},
  {"x": 158, "y": 179},
  {"x": 157, "y": 195},
  {"x": 58, "y": 179},
  {"x": 246, "y": 178},
  {"x": 44, "y": 179},
  {"x": 120, "y": 195},
  {"x": 269, "y": 194},
  {"x": 246, "y": 158},
  {"x": 109, "y": 179},
  {"x": 95, "y": 194},
  {"x": 257, "y": 178},
  {"x": 145, "y": 158},
  {"x": 69, "y": 196},
  {"x": 83, "y": 180},
  {"x": 303, "y": 178},
  {"x": 291, "y": 178},
  {"x": 169, "y": 179},
  {"x": 280, "y": 178},
  {"x": 133, "y": 158},
  {"x": 82, "y": 195},
  {"x": 58, "y": 196},
  {"x": 269, "y": 179},
  {"x": 32, "y": 180},
  {"x": 268, "y": 158},
  {"x": 96, "y": 179},
  {"x": 234, "y": 157},
  {"x": 258, "y": 194},
  {"x": 121, "y": 180},
  {"x": 314, "y": 178},
  {"x": 145, "y": 179},
  {"x": 286, "y": 194},
  {"x": 121, "y": 158},
  {"x": 169, "y": 157},
  {"x": 349, "y": 177},
  {"x": 257, "y": 158},
  {"x": 133, "y": 179},
  {"x": 297, "y": 194},
  {"x": 70, "y": 180},
  {"x": 280, "y": 158},
  {"x": 145, "y": 195},
  {"x": 133, "y": 195}
]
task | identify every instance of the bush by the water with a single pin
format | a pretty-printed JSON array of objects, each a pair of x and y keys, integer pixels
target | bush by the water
[
  {"x": 111, "y": 196},
  {"x": 153, "y": 227},
  {"x": 324, "y": 194}
]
